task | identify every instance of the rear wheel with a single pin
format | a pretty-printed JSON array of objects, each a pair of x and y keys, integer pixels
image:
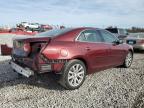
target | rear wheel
[
  {"x": 73, "y": 74},
  {"x": 128, "y": 60}
]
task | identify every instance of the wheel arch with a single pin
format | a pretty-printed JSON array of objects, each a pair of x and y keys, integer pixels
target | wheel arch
[
  {"x": 131, "y": 51},
  {"x": 84, "y": 61}
]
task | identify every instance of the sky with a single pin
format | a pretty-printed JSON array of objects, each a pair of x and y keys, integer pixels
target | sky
[{"x": 74, "y": 13}]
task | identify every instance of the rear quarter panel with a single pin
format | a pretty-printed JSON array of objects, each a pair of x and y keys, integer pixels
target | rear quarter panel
[
  {"x": 53, "y": 50},
  {"x": 127, "y": 48}
]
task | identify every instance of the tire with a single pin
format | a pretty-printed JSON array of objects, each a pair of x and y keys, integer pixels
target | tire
[
  {"x": 73, "y": 74},
  {"x": 128, "y": 60}
]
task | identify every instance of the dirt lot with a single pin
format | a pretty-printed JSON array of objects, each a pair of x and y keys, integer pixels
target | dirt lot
[{"x": 112, "y": 88}]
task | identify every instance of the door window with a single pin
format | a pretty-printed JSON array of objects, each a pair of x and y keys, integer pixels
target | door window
[
  {"x": 90, "y": 36},
  {"x": 108, "y": 37}
]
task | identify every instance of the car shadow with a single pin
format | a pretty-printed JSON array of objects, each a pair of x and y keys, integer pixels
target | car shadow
[{"x": 10, "y": 78}]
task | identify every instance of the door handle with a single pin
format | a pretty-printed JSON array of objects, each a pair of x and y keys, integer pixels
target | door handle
[{"x": 87, "y": 48}]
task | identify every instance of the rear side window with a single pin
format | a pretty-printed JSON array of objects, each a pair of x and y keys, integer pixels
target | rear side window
[
  {"x": 90, "y": 36},
  {"x": 108, "y": 37}
]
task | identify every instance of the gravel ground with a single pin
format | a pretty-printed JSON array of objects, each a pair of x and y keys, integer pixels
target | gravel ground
[{"x": 112, "y": 88}]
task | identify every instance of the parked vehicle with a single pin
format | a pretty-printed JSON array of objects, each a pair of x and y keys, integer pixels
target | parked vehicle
[
  {"x": 4, "y": 48},
  {"x": 46, "y": 27},
  {"x": 136, "y": 40},
  {"x": 21, "y": 31},
  {"x": 30, "y": 25},
  {"x": 119, "y": 32},
  {"x": 71, "y": 52},
  {"x": 2, "y": 30}
]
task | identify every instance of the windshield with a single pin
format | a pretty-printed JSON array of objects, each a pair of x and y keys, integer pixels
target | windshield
[{"x": 54, "y": 32}]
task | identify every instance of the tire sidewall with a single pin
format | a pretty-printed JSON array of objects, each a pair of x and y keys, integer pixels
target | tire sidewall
[
  {"x": 66, "y": 70},
  {"x": 125, "y": 64}
]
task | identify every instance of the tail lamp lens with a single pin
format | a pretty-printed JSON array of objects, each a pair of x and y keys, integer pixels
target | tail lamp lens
[{"x": 27, "y": 47}]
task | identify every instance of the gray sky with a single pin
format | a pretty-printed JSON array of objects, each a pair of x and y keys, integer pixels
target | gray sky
[{"x": 96, "y": 13}]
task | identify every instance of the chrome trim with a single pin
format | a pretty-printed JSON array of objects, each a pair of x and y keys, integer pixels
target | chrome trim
[{"x": 76, "y": 39}]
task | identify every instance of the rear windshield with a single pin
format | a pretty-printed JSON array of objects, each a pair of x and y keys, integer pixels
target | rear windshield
[{"x": 54, "y": 32}]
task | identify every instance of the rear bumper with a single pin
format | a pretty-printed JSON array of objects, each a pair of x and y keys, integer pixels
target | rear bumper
[
  {"x": 26, "y": 71},
  {"x": 31, "y": 65},
  {"x": 21, "y": 70},
  {"x": 35, "y": 66}
]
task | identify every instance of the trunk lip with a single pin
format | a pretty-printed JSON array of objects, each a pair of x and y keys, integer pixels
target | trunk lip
[
  {"x": 17, "y": 51},
  {"x": 32, "y": 39}
]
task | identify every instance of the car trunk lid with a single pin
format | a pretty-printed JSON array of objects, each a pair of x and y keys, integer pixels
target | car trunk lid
[{"x": 24, "y": 46}]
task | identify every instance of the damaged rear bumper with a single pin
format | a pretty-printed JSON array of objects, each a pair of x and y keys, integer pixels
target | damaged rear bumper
[
  {"x": 29, "y": 70},
  {"x": 29, "y": 66},
  {"x": 21, "y": 70}
]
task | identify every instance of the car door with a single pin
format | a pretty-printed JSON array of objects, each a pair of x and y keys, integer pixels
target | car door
[
  {"x": 116, "y": 51},
  {"x": 95, "y": 50}
]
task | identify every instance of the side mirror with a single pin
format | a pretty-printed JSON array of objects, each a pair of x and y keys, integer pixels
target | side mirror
[
  {"x": 117, "y": 42},
  {"x": 121, "y": 41}
]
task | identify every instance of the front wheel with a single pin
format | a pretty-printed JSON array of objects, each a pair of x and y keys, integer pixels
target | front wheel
[
  {"x": 73, "y": 74},
  {"x": 128, "y": 60}
]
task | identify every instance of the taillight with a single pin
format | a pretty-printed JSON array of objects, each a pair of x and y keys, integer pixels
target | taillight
[{"x": 27, "y": 47}]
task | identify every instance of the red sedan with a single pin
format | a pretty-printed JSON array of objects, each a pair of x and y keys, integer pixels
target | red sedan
[{"x": 71, "y": 52}]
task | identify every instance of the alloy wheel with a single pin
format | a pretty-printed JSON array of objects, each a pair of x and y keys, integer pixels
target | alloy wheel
[
  {"x": 128, "y": 59},
  {"x": 76, "y": 75}
]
